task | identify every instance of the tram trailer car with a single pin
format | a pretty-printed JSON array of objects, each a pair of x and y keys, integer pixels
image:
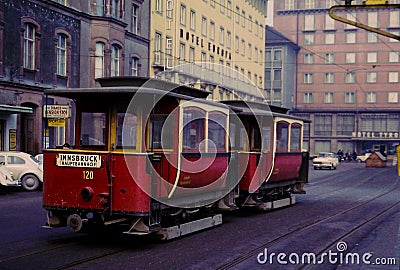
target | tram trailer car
[{"x": 124, "y": 168}]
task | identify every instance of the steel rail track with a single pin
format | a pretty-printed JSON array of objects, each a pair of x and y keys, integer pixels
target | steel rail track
[{"x": 255, "y": 251}]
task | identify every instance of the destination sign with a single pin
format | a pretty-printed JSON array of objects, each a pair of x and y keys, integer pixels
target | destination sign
[{"x": 78, "y": 160}]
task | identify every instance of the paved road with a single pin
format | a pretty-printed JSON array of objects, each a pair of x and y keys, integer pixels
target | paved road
[{"x": 351, "y": 212}]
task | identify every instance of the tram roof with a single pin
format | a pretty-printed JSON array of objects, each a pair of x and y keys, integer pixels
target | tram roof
[{"x": 129, "y": 86}]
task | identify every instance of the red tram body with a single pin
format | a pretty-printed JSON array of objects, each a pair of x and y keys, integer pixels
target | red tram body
[{"x": 169, "y": 169}]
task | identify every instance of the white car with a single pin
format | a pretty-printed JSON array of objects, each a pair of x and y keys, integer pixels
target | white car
[
  {"x": 363, "y": 158},
  {"x": 25, "y": 169},
  {"x": 6, "y": 178},
  {"x": 325, "y": 160}
]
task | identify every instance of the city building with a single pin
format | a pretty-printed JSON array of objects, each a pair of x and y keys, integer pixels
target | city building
[
  {"x": 214, "y": 45},
  {"x": 280, "y": 69},
  {"x": 347, "y": 77},
  {"x": 58, "y": 44}
]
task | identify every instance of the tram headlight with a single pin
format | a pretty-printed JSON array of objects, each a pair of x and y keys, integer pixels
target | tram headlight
[{"x": 87, "y": 193}]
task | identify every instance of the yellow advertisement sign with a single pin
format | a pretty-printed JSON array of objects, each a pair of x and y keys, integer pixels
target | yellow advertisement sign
[
  {"x": 12, "y": 140},
  {"x": 375, "y": 2},
  {"x": 56, "y": 122}
]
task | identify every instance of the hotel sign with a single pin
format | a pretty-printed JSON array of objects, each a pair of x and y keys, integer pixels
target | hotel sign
[{"x": 376, "y": 135}]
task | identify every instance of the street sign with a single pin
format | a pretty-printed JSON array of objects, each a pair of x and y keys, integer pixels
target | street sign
[
  {"x": 56, "y": 111},
  {"x": 57, "y": 122}
]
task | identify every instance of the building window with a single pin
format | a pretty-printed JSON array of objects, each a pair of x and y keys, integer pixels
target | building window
[
  {"x": 329, "y": 23},
  {"x": 372, "y": 37},
  {"x": 397, "y": 33},
  {"x": 192, "y": 19},
  {"x": 237, "y": 14},
  {"x": 100, "y": 7},
  {"x": 221, "y": 35},
  {"x": 329, "y": 77},
  {"x": 308, "y": 38},
  {"x": 204, "y": 26},
  {"x": 349, "y": 97},
  {"x": 29, "y": 46},
  {"x": 243, "y": 47},
  {"x": 61, "y": 54},
  {"x": 243, "y": 19},
  {"x": 372, "y": 18},
  {"x": 352, "y": 16},
  {"x": 250, "y": 23},
  {"x": 329, "y": 38},
  {"x": 345, "y": 125},
  {"x": 135, "y": 66},
  {"x": 309, "y": 4},
  {"x": 394, "y": 19},
  {"x": 328, "y": 97},
  {"x": 182, "y": 53},
  {"x": 183, "y": 14},
  {"x": 228, "y": 39},
  {"x": 115, "y": 9},
  {"x": 229, "y": 9},
  {"x": 115, "y": 60},
  {"x": 393, "y": 57},
  {"x": 135, "y": 19},
  {"x": 308, "y": 98},
  {"x": 323, "y": 125},
  {"x": 350, "y": 77},
  {"x": 159, "y": 6},
  {"x": 329, "y": 58},
  {"x": 393, "y": 97},
  {"x": 350, "y": 58},
  {"x": 222, "y": 6},
  {"x": 157, "y": 49},
  {"x": 99, "y": 60},
  {"x": 309, "y": 22},
  {"x": 351, "y": 37},
  {"x": 308, "y": 58},
  {"x": 289, "y": 5},
  {"x": 308, "y": 78},
  {"x": 393, "y": 77},
  {"x": 212, "y": 30},
  {"x": 371, "y": 97},
  {"x": 249, "y": 51},
  {"x": 371, "y": 77},
  {"x": 372, "y": 57}
]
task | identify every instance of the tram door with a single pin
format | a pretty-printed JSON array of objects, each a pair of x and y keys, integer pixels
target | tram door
[{"x": 27, "y": 135}]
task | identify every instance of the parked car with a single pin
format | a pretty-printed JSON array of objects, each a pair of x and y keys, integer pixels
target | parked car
[
  {"x": 326, "y": 160},
  {"x": 6, "y": 178},
  {"x": 25, "y": 169},
  {"x": 363, "y": 158},
  {"x": 39, "y": 158}
]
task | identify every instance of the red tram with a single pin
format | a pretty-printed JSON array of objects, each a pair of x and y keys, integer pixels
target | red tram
[{"x": 159, "y": 158}]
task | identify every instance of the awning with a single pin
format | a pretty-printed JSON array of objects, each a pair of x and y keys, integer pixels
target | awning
[{"x": 15, "y": 109}]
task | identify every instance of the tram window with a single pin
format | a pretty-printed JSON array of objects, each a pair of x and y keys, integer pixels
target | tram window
[
  {"x": 282, "y": 136},
  {"x": 266, "y": 138},
  {"x": 256, "y": 141},
  {"x": 126, "y": 130},
  {"x": 295, "y": 132},
  {"x": 216, "y": 130},
  {"x": 93, "y": 129},
  {"x": 232, "y": 136},
  {"x": 193, "y": 129},
  {"x": 161, "y": 131}
]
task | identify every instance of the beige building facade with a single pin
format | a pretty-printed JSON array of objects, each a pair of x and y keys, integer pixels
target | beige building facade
[{"x": 214, "y": 45}]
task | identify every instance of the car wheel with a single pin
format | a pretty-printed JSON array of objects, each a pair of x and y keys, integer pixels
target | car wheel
[{"x": 30, "y": 182}]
